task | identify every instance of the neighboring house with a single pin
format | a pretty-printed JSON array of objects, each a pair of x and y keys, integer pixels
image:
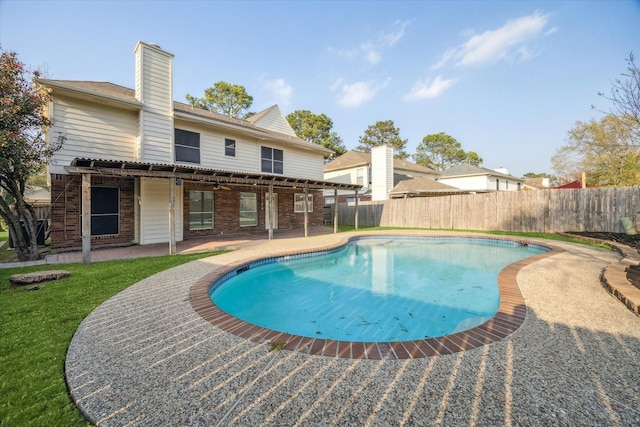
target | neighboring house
[
  {"x": 145, "y": 169},
  {"x": 378, "y": 172},
  {"x": 536, "y": 183},
  {"x": 480, "y": 180},
  {"x": 571, "y": 185},
  {"x": 423, "y": 187}
]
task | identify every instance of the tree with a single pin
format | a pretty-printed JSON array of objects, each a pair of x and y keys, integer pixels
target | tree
[
  {"x": 23, "y": 149},
  {"x": 603, "y": 149},
  {"x": 316, "y": 128},
  {"x": 383, "y": 133},
  {"x": 440, "y": 151},
  {"x": 625, "y": 96},
  {"x": 224, "y": 98}
]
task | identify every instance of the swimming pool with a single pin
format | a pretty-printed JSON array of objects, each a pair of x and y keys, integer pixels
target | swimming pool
[{"x": 378, "y": 289}]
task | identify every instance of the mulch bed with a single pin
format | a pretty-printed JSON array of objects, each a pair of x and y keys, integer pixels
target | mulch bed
[{"x": 633, "y": 272}]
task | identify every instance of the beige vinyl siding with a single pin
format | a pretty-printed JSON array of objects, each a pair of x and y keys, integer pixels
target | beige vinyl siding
[
  {"x": 479, "y": 182},
  {"x": 275, "y": 121},
  {"x": 154, "y": 211},
  {"x": 157, "y": 140},
  {"x": 212, "y": 149},
  {"x": 212, "y": 153},
  {"x": 156, "y": 118},
  {"x": 349, "y": 176},
  {"x": 303, "y": 164},
  {"x": 92, "y": 131}
]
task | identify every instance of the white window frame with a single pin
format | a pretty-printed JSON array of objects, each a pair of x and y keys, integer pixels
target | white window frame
[
  {"x": 248, "y": 196},
  {"x": 298, "y": 203},
  {"x": 203, "y": 213},
  {"x": 271, "y": 160},
  {"x": 231, "y": 145},
  {"x": 182, "y": 148}
]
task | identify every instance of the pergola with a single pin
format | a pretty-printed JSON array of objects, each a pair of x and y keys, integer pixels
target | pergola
[{"x": 175, "y": 173}]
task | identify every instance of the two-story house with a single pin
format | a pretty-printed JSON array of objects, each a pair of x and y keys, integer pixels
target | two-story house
[
  {"x": 378, "y": 172},
  {"x": 137, "y": 167},
  {"x": 480, "y": 180}
]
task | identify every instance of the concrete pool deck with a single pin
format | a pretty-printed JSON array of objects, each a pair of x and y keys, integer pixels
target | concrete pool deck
[{"x": 145, "y": 357}]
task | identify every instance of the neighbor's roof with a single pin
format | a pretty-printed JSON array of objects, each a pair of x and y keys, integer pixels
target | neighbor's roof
[
  {"x": 471, "y": 170},
  {"x": 352, "y": 159},
  {"x": 122, "y": 97},
  {"x": 421, "y": 186}
]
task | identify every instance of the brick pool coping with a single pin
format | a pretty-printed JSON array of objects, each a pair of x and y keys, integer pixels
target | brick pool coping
[{"x": 510, "y": 315}]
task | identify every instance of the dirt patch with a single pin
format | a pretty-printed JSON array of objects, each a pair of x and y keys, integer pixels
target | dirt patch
[{"x": 633, "y": 272}]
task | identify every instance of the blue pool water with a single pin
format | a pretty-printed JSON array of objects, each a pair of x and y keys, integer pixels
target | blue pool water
[{"x": 374, "y": 289}]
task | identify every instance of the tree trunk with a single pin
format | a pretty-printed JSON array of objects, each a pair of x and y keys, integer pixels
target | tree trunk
[{"x": 26, "y": 247}]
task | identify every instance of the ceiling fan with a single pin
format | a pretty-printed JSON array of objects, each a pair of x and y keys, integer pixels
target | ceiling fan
[{"x": 218, "y": 186}]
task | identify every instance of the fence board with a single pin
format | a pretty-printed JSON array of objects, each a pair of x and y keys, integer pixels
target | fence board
[{"x": 550, "y": 210}]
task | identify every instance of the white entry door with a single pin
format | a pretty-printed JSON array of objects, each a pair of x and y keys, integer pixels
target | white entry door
[{"x": 267, "y": 210}]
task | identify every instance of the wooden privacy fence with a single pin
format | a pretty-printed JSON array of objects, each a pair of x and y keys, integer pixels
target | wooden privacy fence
[{"x": 544, "y": 211}]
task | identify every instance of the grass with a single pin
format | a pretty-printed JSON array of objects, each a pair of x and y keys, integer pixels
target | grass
[
  {"x": 36, "y": 328},
  {"x": 6, "y": 255}
]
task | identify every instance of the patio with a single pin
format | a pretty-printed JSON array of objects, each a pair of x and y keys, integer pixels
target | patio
[{"x": 146, "y": 358}]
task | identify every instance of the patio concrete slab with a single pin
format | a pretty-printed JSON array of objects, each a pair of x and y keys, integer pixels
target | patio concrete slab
[{"x": 145, "y": 357}]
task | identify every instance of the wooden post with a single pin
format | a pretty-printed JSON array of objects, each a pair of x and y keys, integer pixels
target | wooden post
[
  {"x": 270, "y": 210},
  {"x": 306, "y": 216},
  {"x": 86, "y": 218},
  {"x": 172, "y": 207},
  {"x": 356, "y": 217},
  {"x": 335, "y": 210}
]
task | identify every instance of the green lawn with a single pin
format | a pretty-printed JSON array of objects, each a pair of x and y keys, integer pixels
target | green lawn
[{"x": 36, "y": 328}]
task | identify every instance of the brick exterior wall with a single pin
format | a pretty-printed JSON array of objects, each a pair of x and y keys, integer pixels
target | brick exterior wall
[
  {"x": 66, "y": 194},
  {"x": 226, "y": 208}
]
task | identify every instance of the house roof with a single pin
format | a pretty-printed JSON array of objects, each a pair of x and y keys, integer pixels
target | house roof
[
  {"x": 352, "y": 159},
  {"x": 572, "y": 184},
  {"x": 122, "y": 97},
  {"x": 348, "y": 160},
  {"x": 471, "y": 170},
  {"x": 422, "y": 186}
]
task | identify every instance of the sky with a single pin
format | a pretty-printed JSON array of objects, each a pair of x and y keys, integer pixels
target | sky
[{"x": 506, "y": 79}]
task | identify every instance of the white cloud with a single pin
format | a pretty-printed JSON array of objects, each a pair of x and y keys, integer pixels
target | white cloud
[
  {"x": 356, "y": 94},
  {"x": 371, "y": 50},
  {"x": 425, "y": 89},
  {"x": 507, "y": 42},
  {"x": 281, "y": 90},
  {"x": 391, "y": 38}
]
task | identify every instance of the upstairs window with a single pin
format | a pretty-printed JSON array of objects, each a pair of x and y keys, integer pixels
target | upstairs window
[
  {"x": 187, "y": 146},
  {"x": 272, "y": 160},
  {"x": 229, "y": 147}
]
